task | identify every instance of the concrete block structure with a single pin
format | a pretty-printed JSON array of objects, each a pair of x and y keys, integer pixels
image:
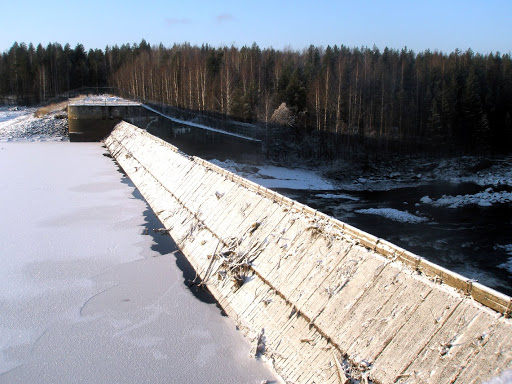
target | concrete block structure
[{"x": 324, "y": 301}]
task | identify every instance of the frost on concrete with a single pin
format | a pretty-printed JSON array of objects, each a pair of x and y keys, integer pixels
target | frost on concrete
[{"x": 314, "y": 281}]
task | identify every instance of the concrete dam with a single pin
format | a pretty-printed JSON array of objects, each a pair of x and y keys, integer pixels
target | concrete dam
[{"x": 323, "y": 301}]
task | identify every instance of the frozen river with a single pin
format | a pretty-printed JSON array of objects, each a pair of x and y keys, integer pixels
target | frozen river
[{"x": 88, "y": 292}]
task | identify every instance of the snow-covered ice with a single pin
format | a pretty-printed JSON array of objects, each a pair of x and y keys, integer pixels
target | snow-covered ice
[
  {"x": 394, "y": 214},
  {"x": 86, "y": 295},
  {"x": 426, "y": 200},
  {"x": 272, "y": 176}
]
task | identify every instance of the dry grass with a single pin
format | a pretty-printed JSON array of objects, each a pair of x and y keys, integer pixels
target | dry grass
[{"x": 51, "y": 108}]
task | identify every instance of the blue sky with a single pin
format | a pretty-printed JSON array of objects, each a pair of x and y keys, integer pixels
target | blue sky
[{"x": 484, "y": 25}]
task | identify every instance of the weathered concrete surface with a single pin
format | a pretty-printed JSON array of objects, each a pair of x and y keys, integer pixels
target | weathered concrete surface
[{"x": 319, "y": 288}]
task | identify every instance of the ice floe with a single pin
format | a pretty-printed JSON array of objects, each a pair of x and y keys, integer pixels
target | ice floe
[
  {"x": 340, "y": 196},
  {"x": 508, "y": 264},
  {"x": 394, "y": 214}
]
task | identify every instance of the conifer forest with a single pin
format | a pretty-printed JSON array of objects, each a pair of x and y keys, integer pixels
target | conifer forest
[{"x": 335, "y": 98}]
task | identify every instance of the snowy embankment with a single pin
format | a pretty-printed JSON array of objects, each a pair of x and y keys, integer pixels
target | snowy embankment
[{"x": 22, "y": 125}]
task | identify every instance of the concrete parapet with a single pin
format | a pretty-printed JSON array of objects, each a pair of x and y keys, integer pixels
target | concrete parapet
[{"x": 322, "y": 300}]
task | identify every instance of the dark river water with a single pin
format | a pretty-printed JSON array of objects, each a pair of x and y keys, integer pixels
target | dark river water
[{"x": 467, "y": 240}]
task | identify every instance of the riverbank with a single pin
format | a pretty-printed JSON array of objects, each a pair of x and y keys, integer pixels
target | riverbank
[{"x": 23, "y": 124}]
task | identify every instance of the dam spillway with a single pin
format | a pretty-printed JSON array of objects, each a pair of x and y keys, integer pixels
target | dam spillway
[
  {"x": 93, "y": 118},
  {"x": 313, "y": 291}
]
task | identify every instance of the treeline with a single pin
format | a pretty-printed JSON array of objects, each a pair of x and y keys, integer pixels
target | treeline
[
  {"x": 430, "y": 100},
  {"x": 31, "y": 74},
  {"x": 340, "y": 96}
]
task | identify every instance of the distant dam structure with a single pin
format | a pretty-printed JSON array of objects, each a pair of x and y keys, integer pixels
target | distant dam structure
[
  {"x": 322, "y": 300},
  {"x": 92, "y": 118}
]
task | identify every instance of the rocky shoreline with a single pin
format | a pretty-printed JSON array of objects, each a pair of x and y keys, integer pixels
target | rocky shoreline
[{"x": 26, "y": 126}]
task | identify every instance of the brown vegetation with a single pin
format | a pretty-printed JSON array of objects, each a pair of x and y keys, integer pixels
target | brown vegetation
[{"x": 52, "y": 108}]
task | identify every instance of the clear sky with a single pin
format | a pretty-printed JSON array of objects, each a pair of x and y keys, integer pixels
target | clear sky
[{"x": 444, "y": 25}]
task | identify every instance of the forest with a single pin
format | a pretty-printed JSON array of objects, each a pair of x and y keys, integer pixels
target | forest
[{"x": 334, "y": 99}]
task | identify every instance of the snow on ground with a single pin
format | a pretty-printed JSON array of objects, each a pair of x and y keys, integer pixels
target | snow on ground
[
  {"x": 24, "y": 126},
  {"x": 487, "y": 198},
  {"x": 7, "y": 113},
  {"x": 272, "y": 176},
  {"x": 394, "y": 214},
  {"x": 508, "y": 264}
]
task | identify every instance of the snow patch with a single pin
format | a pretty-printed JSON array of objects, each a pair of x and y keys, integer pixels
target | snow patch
[
  {"x": 486, "y": 198},
  {"x": 426, "y": 200},
  {"x": 24, "y": 126},
  {"x": 504, "y": 378},
  {"x": 508, "y": 264},
  {"x": 507, "y": 248},
  {"x": 394, "y": 214},
  {"x": 8, "y": 113},
  {"x": 271, "y": 176}
]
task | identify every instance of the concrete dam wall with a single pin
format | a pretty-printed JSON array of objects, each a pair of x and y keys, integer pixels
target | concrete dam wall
[
  {"x": 93, "y": 118},
  {"x": 322, "y": 300}
]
